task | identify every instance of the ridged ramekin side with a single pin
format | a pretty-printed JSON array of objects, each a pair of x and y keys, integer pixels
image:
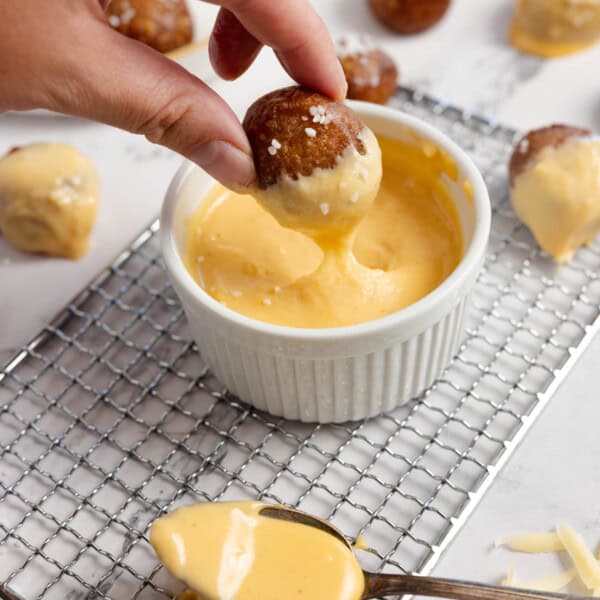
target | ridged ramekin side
[{"x": 332, "y": 389}]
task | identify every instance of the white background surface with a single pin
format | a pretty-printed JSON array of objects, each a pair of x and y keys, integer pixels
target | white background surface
[{"x": 556, "y": 473}]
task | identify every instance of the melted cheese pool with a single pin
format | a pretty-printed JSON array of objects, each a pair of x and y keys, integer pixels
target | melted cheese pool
[{"x": 407, "y": 245}]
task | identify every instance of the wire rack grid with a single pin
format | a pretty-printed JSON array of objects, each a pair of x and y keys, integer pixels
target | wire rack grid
[{"x": 110, "y": 418}]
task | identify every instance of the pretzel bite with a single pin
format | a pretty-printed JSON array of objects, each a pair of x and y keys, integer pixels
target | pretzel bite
[
  {"x": 48, "y": 199},
  {"x": 161, "y": 24},
  {"x": 555, "y": 187},
  {"x": 550, "y": 28},
  {"x": 371, "y": 74},
  {"x": 409, "y": 16},
  {"x": 318, "y": 166}
]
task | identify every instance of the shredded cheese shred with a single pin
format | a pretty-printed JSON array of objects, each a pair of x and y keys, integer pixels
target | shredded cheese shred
[
  {"x": 585, "y": 562},
  {"x": 534, "y": 543},
  {"x": 553, "y": 583},
  {"x": 586, "y": 566}
]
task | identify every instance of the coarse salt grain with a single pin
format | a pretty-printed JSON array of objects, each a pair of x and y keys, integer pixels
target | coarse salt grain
[
  {"x": 354, "y": 44},
  {"x": 275, "y": 145},
  {"x": 354, "y": 198},
  {"x": 324, "y": 208},
  {"x": 343, "y": 185},
  {"x": 267, "y": 301},
  {"x": 304, "y": 118},
  {"x": 319, "y": 115},
  {"x": 524, "y": 146},
  {"x": 128, "y": 16},
  {"x": 310, "y": 132},
  {"x": 236, "y": 293},
  {"x": 114, "y": 21}
]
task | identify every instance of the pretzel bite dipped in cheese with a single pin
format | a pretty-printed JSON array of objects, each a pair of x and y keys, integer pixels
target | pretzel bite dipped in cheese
[
  {"x": 550, "y": 28},
  {"x": 318, "y": 166},
  {"x": 555, "y": 187},
  {"x": 48, "y": 199}
]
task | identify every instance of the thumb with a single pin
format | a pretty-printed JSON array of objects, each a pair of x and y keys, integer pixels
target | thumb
[{"x": 121, "y": 82}]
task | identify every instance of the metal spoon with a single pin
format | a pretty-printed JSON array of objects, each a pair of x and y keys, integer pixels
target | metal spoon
[{"x": 377, "y": 585}]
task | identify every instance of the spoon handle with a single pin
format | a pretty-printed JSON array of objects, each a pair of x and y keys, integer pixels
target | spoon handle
[
  {"x": 6, "y": 595},
  {"x": 387, "y": 585}
]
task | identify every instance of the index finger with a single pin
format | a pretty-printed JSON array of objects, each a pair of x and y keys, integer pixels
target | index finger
[{"x": 299, "y": 37}]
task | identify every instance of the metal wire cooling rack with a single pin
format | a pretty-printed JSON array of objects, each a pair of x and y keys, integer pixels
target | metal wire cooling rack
[{"x": 109, "y": 418}]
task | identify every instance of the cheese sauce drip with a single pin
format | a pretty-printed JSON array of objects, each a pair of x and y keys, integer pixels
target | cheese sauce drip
[
  {"x": 406, "y": 245},
  {"x": 558, "y": 196},
  {"x": 228, "y": 551},
  {"x": 550, "y": 28}
]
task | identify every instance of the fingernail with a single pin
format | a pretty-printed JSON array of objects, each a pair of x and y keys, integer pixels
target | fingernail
[
  {"x": 342, "y": 84},
  {"x": 226, "y": 163},
  {"x": 343, "y": 91}
]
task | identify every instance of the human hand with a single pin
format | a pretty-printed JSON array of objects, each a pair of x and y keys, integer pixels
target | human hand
[{"x": 63, "y": 56}]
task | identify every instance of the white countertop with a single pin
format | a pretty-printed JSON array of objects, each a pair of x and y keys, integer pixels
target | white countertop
[{"x": 555, "y": 474}]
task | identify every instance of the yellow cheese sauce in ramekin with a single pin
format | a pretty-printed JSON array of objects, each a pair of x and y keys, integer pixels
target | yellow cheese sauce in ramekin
[{"x": 410, "y": 241}]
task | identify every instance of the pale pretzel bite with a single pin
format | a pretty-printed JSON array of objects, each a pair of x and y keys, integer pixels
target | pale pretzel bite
[
  {"x": 409, "y": 16},
  {"x": 318, "y": 166},
  {"x": 164, "y": 25},
  {"x": 555, "y": 187},
  {"x": 372, "y": 75},
  {"x": 48, "y": 199}
]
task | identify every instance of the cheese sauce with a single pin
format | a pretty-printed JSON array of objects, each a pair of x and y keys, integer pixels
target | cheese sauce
[
  {"x": 228, "y": 551},
  {"x": 408, "y": 243}
]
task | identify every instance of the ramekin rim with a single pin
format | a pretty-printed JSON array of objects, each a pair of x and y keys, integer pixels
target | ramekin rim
[{"x": 463, "y": 271}]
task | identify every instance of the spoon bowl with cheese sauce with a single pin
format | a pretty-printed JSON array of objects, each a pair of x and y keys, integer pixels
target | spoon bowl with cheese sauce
[{"x": 259, "y": 551}]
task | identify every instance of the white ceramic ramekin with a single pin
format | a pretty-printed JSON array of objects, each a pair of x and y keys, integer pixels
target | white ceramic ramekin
[{"x": 343, "y": 373}]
